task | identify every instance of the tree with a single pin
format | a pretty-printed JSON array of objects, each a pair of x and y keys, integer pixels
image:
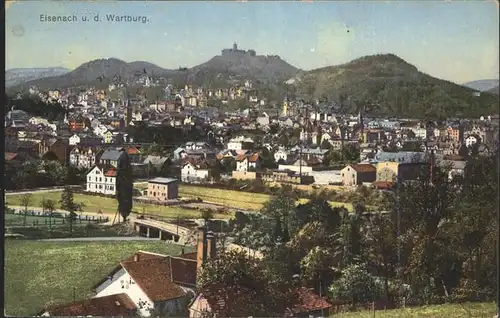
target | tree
[
  {"x": 49, "y": 205},
  {"x": 26, "y": 200},
  {"x": 67, "y": 203},
  {"x": 356, "y": 285},
  {"x": 124, "y": 185},
  {"x": 236, "y": 285}
]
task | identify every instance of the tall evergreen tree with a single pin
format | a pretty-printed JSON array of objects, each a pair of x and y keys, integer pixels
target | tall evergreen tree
[{"x": 124, "y": 185}]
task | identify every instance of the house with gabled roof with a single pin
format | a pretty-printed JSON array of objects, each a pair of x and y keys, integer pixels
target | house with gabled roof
[
  {"x": 195, "y": 171},
  {"x": 102, "y": 179},
  {"x": 248, "y": 162},
  {"x": 357, "y": 174}
]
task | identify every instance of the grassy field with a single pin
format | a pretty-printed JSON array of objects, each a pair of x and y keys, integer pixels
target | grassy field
[
  {"x": 465, "y": 310},
  {"x": 237, "y": 199},
  {"x": 18, "y": 220},
  {"x": 108, "y": 205},
  {"x": 40, "y": 273}
]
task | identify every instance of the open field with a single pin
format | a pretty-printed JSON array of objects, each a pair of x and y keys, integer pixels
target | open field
[
  {"x": 465, "y": 310},
  {"x": 108, "y": 205},
  {"x": 18, "y": 220},
  {"x": 41, "y": 273},
  {"x": 237, "y": 199}
]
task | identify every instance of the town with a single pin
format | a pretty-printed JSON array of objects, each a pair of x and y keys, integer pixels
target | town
[{"x": 226, "y": 190}]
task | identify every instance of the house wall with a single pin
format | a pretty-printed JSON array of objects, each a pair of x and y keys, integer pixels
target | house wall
[
  {"x": 326, "y": 177},
  {"x": 244, "y": 175},
  {"x": 393, "y": 166},
  {"x": 190, "y": 174},
  {"x": 114, "y": 286},
  {"x": 162, "y": 192},
  {"x": 234, "y": 145},
  {"x": 242, "y": 165},
  {"x": 348, "y": 176},
  {"x": 305, "y": 169},
  {"x": 97, "y": 182}
]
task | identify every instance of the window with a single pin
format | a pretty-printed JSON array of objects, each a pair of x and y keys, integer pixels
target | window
[
  {"x": 100, "y": 179},
  {"x": 112, "y": 188},
  {"x": 154, "y": 194}
]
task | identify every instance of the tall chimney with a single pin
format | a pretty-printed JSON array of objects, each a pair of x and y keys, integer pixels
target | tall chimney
[
  {"x": 206, "y": 246},
  {"x": 136, "y": 257}
]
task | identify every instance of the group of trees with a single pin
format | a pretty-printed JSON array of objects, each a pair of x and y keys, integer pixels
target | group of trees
[
  {"x": 36, "y": 106},
  {"x": 433, "y": 244},
  {"x": 49, "y": 206},
  {"x": 40, "y": 173}
]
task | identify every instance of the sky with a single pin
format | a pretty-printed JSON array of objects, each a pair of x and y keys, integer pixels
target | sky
[{"x": 452, "y": 40}]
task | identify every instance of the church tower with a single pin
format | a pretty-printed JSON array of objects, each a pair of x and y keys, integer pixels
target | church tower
[
  {"x": 235, "y": 46},
  {"x": 128, "y": 117},
  {"x": 285, "y": 106}
]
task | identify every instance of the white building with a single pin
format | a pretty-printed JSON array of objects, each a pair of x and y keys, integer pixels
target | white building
[
  {"x": 280, "y": 154},
  {"x": 237, "y": 143},
  {"x": 194, "y": 173},
  {"x": 74, "y": 140},
  {"x": 157, "y": 284},
  {"x": 470, "y": 140},
  {"x": 102, "y": 179},
  {"x": 246, "y": 163}
]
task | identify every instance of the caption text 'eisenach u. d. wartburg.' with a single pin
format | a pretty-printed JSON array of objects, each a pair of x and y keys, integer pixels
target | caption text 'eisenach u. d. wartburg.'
[{"x": 46, "y": 18}]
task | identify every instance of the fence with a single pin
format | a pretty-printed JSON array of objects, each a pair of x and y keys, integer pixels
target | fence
[{"x": 34, "y": 218}]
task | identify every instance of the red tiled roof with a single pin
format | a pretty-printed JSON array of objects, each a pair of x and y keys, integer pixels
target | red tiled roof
[
  {"x": 154, "y": 277},
  {"x": 192, "y": 256},
  {"x": 308, "y": 301},
  {"x": 111, "y": 172},
  {"x": 132, "y": 150},
  {"x": 383, "y": 184},
  {"x": 254, "y": 157},
  {"x": 112, "y": 305},
  {"x": 240, "y": 157},
  {"x": 10, "y": 156},
  {"x": 183, "y": 270},
  {"x": 364, "y": 168}
]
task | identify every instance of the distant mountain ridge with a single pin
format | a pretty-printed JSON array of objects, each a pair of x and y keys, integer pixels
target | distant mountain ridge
[
  {"x": 395, "y": 86},
  {"x": 17, "y": 76},
  {"x": 483, "y": 85}
]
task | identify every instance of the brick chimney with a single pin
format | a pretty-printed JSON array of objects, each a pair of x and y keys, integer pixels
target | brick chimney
[
  {"x": 206, "y": 246},
  {"x": 136, "y": 257}
]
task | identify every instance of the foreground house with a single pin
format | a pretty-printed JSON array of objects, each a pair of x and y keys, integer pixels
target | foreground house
[{"x": 112, "y": 305}]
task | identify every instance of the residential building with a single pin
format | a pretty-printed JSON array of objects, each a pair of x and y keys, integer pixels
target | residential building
[
  {"x": 110, "y": 156},
  {"x": 239, "y": 143},
  {"x": 84, "y": 157},
  {"x": 163, "y": 189},
  {"x": 357, "y": 174},
  {"x": 195, "y": 172},
  {"x": 248, "y": 162},
  {"x": 102, "y": 179}
]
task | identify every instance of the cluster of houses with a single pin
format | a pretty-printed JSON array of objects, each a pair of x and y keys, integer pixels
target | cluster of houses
[
  {"x": 148, "y": 284},
  {"x": 92, "y": 136}
]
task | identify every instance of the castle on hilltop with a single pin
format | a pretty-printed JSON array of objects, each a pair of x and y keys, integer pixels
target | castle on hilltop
[{"x": 234, "y": 51}]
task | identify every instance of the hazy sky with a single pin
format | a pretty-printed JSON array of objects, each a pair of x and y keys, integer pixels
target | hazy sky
[{"x": 457, "y": 41}]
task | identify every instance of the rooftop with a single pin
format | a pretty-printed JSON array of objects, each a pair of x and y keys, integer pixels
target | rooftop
[{"x": 162, "y": 180}]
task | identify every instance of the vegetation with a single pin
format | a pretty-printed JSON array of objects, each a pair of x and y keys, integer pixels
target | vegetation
[
  {"x": 90, "y": 203},
  {"x": 462, "y": 310},
  {"x": 397, "y": 87},
  {"x": 36, "y": 107},
  {"x": 43, "y": 173},
  {"x": 46, "y": 273},
  {"x": 433, "y": 245}
]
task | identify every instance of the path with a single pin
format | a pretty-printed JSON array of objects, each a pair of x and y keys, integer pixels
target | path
[{"x": 101, "y": 239}]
